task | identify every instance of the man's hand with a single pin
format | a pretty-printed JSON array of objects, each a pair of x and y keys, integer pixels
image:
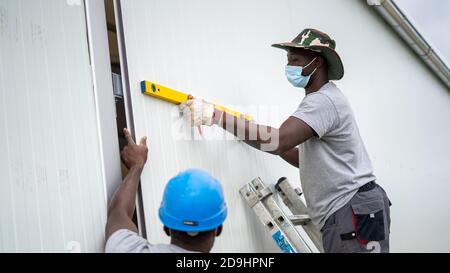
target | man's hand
[
  {"x": 122, "y": 206},
  {"x": 198, "y": 111},
  {"x": 134, "y": 155}
]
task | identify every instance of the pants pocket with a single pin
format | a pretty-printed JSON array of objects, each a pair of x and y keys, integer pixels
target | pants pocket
[
  {"x": 331, "y": 240},
  {"x": 368, "y": 219}
]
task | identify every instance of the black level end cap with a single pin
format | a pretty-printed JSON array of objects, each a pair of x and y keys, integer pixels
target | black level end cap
[{"x": 277, "y": 187}]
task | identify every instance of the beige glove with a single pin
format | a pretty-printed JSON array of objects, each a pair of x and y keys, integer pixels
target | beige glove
[{"x": 199, "y": 111}]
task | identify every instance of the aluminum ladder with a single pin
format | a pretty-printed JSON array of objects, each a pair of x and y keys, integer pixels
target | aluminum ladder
[{"x": 283, "y": 228}]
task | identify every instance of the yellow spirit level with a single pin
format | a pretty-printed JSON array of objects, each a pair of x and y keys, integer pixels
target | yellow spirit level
[{"x": 177, "y": 97}]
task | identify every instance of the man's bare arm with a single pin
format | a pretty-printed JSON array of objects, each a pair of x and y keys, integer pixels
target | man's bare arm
[
  {"x": 291, "y": 157},
  {"x": 122, "y": 206},
  {"x": 282, "y": 141}
]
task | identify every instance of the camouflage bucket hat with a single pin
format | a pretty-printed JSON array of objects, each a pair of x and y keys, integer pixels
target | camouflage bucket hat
[{"x": 318, "y": 41}]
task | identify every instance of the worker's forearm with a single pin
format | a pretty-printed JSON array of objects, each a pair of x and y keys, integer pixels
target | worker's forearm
[
  {"x": 124, "y": 199},
  {"x": 291, "y": 157},
  {"x": 261, "y": 137}
]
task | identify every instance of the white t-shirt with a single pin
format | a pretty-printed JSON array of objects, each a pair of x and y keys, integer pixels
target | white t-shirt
[{"x": 127, "y": 241}]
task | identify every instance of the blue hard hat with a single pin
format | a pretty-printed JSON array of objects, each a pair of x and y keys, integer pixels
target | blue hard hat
[{"x": 193, "y": 201}]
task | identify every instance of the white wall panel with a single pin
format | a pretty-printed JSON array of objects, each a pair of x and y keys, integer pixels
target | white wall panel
[
  {"x": 52, "y": 196},
  {"x": 220, "y": 51}
]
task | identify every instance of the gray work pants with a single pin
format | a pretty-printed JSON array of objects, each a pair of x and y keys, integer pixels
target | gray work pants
[{"x": 362, "y": 225}]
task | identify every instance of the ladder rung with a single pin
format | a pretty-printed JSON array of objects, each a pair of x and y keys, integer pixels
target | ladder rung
[{"x": 301, "y": 219}]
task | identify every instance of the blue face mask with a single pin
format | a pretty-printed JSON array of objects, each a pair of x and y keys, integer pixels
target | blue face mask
[{"x": 295, "y": 77}]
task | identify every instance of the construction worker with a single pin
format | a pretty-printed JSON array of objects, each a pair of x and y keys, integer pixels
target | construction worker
[
  {"x": 322, "y": 139},
  {"x": 192, "y": 209}
]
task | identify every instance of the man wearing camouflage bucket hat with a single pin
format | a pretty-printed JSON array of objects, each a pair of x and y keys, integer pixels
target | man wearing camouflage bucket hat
[{"x": 322, "y": 139}]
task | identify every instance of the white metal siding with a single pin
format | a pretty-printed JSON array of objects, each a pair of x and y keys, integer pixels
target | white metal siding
[
  {"x": 52, "y": 196},
  {"x": 220, "y": 51}
]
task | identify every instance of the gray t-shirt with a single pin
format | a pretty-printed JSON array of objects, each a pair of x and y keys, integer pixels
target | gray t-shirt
[
  {"x": 127, "y": 241},
  {"x": 334, "y": 164}
]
